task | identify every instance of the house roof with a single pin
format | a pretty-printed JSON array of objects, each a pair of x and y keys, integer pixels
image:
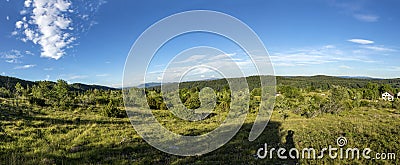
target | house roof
[{"x": 390, "y": 93}]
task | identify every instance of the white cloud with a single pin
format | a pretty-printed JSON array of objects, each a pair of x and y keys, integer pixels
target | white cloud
[
  {"x": 361, "y": 41},
  {"x": 47, "y": 77},
  {"x": 49, "y": 26},
  {"x": 25, "y": 66},
  {"x": 29, "y": 52},
  {"x": 379, "y": 48},
  {"x": 7, "y": 18},
  {"x": 299, "y": 59},
  {"x": 366, "y": 17},
  {"x": 69, "y": 77},
  {"x": 3, "y": 73},
  {"x": 12, "y": 61},
  {"x": 314, "y": 56},
  {"x": 345, "y": 67},
  {"x": 192, "y": 58},
  {"x": 48, "y": 69},
  {"x": 329, "y": 46},
  {"x": 76, "y": 77},
  {"x": 12, "y": 56},
  {"x": 23, "y": 12},
  {"x": 222, "y": 56},
  {"x": 27, "y": 3},
  {"x": 192, "y": 67},
  {"x": 19, "y": 24},
  {"x": 102, "y": 75},
  {"x": 200, "y": 70},
  {"x": 394, "y": 68}
]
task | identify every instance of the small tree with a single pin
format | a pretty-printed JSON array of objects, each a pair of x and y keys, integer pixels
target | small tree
[
  {"x": 112, "y": 111},
  {"x": 19, "y": 90}
]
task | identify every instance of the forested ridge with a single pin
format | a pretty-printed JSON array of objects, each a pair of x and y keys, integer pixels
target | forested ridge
[{"x": 10, "y": 82}]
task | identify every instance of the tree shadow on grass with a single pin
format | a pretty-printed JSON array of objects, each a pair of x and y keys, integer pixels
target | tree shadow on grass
[
  {"x": 13, "y": 112},
  {"x": 136, "y": 151},
  {"x": 77, "y": 121}
]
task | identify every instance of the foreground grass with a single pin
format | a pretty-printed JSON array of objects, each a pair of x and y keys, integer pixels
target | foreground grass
[{"x": 34, "y": 135}]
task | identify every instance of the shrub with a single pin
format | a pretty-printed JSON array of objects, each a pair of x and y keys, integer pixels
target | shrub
[
  {"x": 366, "y": 103},
  {"x": 37, "y": 101},
  {"x": 5, "y": 93},
  {"x": 396, "y": 104},
  {"x": 112, "y": 111}
]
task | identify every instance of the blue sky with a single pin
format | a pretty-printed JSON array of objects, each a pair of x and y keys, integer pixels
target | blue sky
[{"x": 88, "y": 40}]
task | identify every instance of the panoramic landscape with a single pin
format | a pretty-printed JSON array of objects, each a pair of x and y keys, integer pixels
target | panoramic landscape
[
  {"x": 199, "y": 82},
  {"x": 58, "y": 123}
]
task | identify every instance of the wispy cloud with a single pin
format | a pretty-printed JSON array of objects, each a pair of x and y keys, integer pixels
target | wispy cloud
[
  {"x": 192, "y": 59},
  {"x": 76, "y": 77},
  {"x": 394, "y": 68},
  {"x": 12, "y": 56},
  {"x": 379, "y": 48},
  {"x": 298, "y": 59},
  {"x": 69, "y": 77},
  {"x": 361, "y": 41},
  {"x": 329, "y": 46},
  {"x": 345, "y": 67},
  {"x": 202, "y": 66},
  {"x": 314, "y": 56},
  {"x": 102, "y": 75},
  {"x": 366, "y": 17},
  {"x": 25, "y": 66},
  {"x": 356, "y": 9},
  {"x": 27, "y": 52}
]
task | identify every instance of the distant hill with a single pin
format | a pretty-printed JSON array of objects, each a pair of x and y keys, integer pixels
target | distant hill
[
  {"x": 358, "y": 77},
  {"x": 148, "y": 85},
  {"x": 85, "y": 87},
  {"x": 317, "y": 82},
  {"x": 156, "y": 84},
  {"x": 9, "y": 83}
]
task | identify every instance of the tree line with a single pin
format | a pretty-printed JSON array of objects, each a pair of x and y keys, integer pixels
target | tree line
[{"x": 305, "y": 96}]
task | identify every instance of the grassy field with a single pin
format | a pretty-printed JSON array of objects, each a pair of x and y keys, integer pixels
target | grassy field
[{"x": 36, "y": 135}]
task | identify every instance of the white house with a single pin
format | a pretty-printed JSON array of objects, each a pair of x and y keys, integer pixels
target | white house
[{"x": 388, "y": 96}]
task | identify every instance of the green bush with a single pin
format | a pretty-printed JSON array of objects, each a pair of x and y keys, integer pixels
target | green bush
[
  {"x": 396, "y": 104},
  {"x": 112, "y": 111},
  {"x": 366, "y": 103},
  {"x": 5, "y": 93},
  {"x": 37, "y": 101}
]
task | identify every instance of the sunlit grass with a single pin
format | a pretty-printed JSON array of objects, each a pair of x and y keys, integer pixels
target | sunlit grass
[{"x": 50, "y": 136}]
